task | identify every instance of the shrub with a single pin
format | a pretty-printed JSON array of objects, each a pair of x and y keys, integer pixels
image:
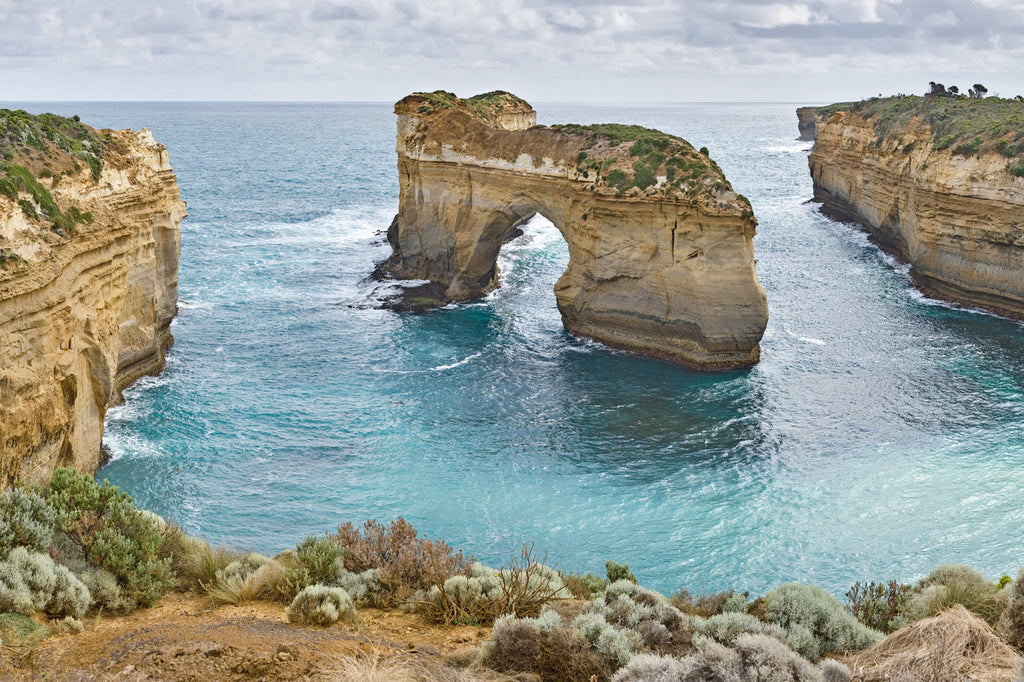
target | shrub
[
  {"x": 521, "y": 589},
  {"x": 834, "y": 671},
  {"x": 651, "y": 668},
  {"x": 705, "y": 605},
  {"x": 321, "y": 605},
  {"x": 643, "y": 175},
  {"x": 364, "y": 588},
  {"x": 833, "y": 629},
  {"x": 753, "y": 658},
  {"x": 111, "y": 534},
  {"x": 737, "y": 603},
  {"x": 766, "y": 658},
  {"x": 641, "y": 147},
  {"x": 726, "y": 627},
  {"x": 969, "y": 148},
  {"x": 1016, "y": 168},
  {"x": 880, "y": 606},
  {"x": 616, "y": 571},
  {"x": 194, "y": 562},
  {"x": 316, "y": 561},
  {"x": 70, "y": 597},
  {"x": 952, "y": 584},
  {"x": 1011, "y": 626},
  {"x": 584, "y": 586},
  {"x": 104, "y": 591},
  {"x": 27, "y": 580},
  {"x": 621, "y": 587},
  {"x": 619, "y": 180},
  {"x": 406, "y": 562},
  {"x": 25, "y": 521},
  {"x": 251, "y": 579},
  {"x": 519, "y": 645}
]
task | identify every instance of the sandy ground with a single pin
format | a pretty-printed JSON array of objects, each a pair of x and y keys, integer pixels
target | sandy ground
[{"x": 184, "y": 638}]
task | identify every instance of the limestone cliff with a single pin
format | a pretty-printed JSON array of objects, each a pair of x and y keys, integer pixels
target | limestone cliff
[
  {"x": 661, "y": 258},
  {"x": 807, "y": 117},
  {"x": 88, "y": 285},
  {"x": 950, "y": 204}
]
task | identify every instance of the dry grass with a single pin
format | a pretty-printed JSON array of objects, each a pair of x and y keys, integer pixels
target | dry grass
[
  {"x": 390, "y": 667},
  {"x": 954, "y": 645}
]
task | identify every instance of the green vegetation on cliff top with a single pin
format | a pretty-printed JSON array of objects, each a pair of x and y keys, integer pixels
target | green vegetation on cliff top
[
  {"x": 22, "y": 132},
  {"x": 37, "y": 141},
  {"x": 487, "y": 106},
  {"x": 626, "y": 156},
  {"x": 614, "y": 156},
  {"x": 967, "y": 126}
]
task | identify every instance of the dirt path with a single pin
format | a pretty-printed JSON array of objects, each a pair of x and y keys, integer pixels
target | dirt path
[{"x": 184, "y": 638}]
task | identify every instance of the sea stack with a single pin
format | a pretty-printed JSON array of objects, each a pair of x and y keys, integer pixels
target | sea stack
[
  {"x": 89, "y": 245},
  {"x": 661, "y": 258}
]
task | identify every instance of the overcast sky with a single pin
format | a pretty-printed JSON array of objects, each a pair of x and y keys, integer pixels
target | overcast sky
[{"x": 568, "y": 50}]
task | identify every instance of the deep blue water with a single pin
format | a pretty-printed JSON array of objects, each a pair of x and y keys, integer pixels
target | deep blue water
[{"x": 879, "y": 436}]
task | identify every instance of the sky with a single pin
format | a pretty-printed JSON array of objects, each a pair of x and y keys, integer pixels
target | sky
[{"x": 567, "y": 50}]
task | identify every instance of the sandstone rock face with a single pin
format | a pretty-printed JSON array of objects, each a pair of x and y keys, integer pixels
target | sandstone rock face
[
  {"x": 84, "y": 316},
  {"x": 661, "y": 262},
  {"x": 807, "y": 117},
  {"x": 958, "y": 220}
]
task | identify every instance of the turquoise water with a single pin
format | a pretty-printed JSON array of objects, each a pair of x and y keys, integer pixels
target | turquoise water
[{"x": 879, "y": 436}]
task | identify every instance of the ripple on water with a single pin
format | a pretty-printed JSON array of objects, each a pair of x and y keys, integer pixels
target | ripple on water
[{"x": 877, "y": 438}]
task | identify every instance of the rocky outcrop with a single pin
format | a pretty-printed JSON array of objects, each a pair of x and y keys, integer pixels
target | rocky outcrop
[
  {"x": 954, "y": 212},
  {"x": 86, "y": 310},
  {"x": 807, "y": 118},
  {"x": 661, "y": 258}
]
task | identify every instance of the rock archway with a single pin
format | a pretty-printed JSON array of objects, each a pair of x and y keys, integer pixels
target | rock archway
[{"x": 661, "y": 259}]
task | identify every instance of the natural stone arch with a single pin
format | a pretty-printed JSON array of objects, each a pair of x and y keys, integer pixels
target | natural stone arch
[{"x": 660, "y": 262}]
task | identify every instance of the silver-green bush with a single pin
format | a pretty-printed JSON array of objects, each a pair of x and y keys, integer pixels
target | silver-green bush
[
  {"x": 832, "y": 627},
  {"x": 27, "y": 580},
  {"x": 104, "y": 590},
  {"x": 321, "y": 605},
  {"x": 364, "y": 588},
  {"x": 70, "y": 597},
  {"x": 25, "y": 521}
]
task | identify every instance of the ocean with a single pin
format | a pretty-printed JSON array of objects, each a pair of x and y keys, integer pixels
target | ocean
[{"x": 879, "y": 436}]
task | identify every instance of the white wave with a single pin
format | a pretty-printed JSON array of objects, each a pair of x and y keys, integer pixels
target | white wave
[
  {"x": 816, "y": 342},
  {"x": 792, "y": 148},
  {"x": 124, "y": 444},
  {"x": 441, "y": 368}
]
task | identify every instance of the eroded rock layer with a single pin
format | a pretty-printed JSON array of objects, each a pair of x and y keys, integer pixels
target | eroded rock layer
[
  {"x": 955, "y": 213},
  {"x": 661, "y": 259},
  {"x": 84, "y": 311}
]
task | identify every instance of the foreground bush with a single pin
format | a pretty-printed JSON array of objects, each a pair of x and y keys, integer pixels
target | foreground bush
[
  {"x": 31, "y": 582},
  {"x": 752, "y": 658},
  {"x": 26, "y": 520},
  {"x": 110, "y": 533},
  {"x": 883, "y": 607},
  {"x": 1011, "y": 625},
  {"x": 406, "y": 562},
  {"x": 542, "y": 647},
  {"x": 486, "y": 594},
  {"x": 321, "y": 605},
  {"x": 816, "y": 622},
  {"x": 952, "y": 584}
]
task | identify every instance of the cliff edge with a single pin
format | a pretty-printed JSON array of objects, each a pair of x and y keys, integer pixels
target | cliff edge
[
  {"x": 939, "y": 182},
  {"x": 661, "y": 258},
  {"x": 89, "y": 245}
]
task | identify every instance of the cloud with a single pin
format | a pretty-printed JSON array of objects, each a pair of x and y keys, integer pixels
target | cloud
[{"x": 573, "y": 49}]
